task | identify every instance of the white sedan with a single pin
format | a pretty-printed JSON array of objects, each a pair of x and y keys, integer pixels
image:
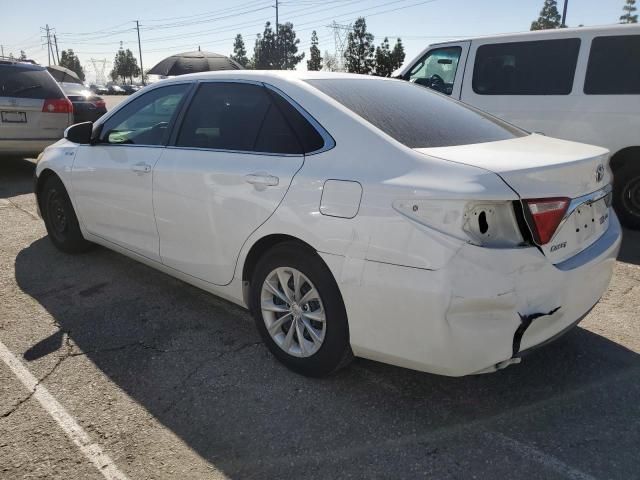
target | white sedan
[{"x": 352, "y": 215}]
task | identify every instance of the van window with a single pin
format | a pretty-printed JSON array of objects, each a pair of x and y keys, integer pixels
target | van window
[
  {"x": 545, "y": 67},
  {"x": 614, "y": 66},
  {"x": 19, "y": 81},
  {"x": 437, "y": 69}
]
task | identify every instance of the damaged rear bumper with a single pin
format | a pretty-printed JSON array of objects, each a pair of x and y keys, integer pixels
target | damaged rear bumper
[{"x": 480, "y": 312}]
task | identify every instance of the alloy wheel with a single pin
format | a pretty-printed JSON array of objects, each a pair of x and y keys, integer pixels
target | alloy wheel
[{"x": 293, "y": 312}]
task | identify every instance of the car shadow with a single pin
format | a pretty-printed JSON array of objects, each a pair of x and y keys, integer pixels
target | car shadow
[
  {"x": 17, "y": 176},
  {"x": 196, "y": 363}
]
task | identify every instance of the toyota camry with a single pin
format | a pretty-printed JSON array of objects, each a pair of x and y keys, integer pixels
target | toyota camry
[{"x": 352, "y": 215}]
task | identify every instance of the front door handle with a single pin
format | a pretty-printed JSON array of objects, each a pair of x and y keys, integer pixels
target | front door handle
[
  {"x": 262, "y": 180},
  {"x": 141, "y": 167}
]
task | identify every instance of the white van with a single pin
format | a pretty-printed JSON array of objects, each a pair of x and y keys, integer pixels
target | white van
[{"x": 579, "y": 84}]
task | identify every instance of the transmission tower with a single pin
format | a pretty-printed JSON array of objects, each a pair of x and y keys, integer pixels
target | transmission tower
[
  {"x": 340, "y": 37},
  {"x": 99, "y": 67}
]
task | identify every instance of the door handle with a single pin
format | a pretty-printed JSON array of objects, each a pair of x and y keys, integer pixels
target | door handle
[
  {"x": 141, "y": 167},
  {"x": 262, "y": 180}
]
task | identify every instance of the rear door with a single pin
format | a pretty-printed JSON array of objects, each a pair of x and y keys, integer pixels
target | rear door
[
  {"x": 32, "y": 105},
  {"x": 233, "y": 160},
  {"x": 530, "y": 83}
]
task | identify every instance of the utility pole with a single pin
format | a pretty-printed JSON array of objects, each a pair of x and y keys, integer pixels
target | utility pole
[
  {"x": 564, "y": 14},
  {"x": 2, "y": 48},
  {"x": 55, "y": 39},
  {"x": 140, "y": 52},
  {"x": 48, "y": 45},
  {"x": 278, "y": 47}
]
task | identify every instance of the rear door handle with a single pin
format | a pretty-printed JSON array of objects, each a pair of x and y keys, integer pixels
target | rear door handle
[
  {"x": 141, "y": 167},
  {"x": 262, "y": 179}
]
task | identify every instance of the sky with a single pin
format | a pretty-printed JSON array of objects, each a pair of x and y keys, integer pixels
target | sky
[{"x": 95, "y": 30}]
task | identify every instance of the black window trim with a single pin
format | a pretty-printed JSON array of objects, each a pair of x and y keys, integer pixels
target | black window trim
[
  {"x": 574, "y": 75},
  {"x": 329, "y": 142},
  {"x": 97, "y": 127},
  {"x": 586, "y": 70}
]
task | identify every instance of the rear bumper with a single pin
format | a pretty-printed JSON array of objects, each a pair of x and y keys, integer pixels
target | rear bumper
[
  {"x": 26, "y": 147},
  {"x": 483, "y": 308}
]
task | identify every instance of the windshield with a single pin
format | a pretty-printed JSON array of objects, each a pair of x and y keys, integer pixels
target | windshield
[{"x": 414, "y": 115}]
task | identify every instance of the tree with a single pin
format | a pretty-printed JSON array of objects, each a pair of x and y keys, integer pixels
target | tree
[
  {"x": 397, "y": 55},
  {"x": 383, "y": 59},
  {"x": 315, "y": 60},
  {"x": 549, "y": 16},
  {"x": 240, "y": 52},
  {"x": 629, "y": 16},
  {"x": 287, "y": 47},
  {"x": 125, "y": 65},
  {"x": 279, "y": 52},
  {"x": 69, "y": 60},
  {"x": 359, "y": 55},
  {"x": 264, "y": 50},
  {"x": 330, "y": 62}
]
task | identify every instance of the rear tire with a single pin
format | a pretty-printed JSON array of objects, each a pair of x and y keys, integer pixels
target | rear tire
[
  {"x": 310, "y": 308},
  {"x": 60, "y": 218},
  {"x": 626, "y": 194}
]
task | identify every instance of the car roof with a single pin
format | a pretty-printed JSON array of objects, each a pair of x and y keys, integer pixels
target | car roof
[
  {"x": 568, "y": 32},
  {"x": 25, "y": 65},
  {"x": 266, "y": 75}
]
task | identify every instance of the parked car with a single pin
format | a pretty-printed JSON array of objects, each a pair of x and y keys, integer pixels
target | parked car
[
  {"x": 99, "y": 89},
  {"x": 579, "y": 84},
  {"x": 352, "y": 215},
  {"x": 129, "y": 89},
  {"x": 33, "y": 109},
  {"x": 87, "y": 107},
  {"x": 115, "y": 90}
]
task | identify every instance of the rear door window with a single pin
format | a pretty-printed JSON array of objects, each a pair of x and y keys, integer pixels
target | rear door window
[
  {"x": 416, "y": 116},
  {"x": 437, "y": 69},
  {"x": 237, "y": 117},
  {"x": 27, "y": 82},
  {"x": 614, "y": 66},
  {"x": 545, "y": 67}
]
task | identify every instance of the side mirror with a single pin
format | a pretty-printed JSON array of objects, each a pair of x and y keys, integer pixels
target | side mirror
[{"x": 79, "y": 133}]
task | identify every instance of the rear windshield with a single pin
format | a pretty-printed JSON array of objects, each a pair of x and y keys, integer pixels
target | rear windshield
[
  {"x": 24, "y": 82},
  {"x": 415, "y": 115}
]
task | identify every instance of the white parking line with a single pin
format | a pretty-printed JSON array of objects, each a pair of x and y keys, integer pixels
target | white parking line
[
  {"x": 539, "y": 456},
  {"x": 91, "y": 450}
]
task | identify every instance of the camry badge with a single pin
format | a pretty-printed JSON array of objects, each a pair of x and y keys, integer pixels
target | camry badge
[{"x": 599, "y": 173}]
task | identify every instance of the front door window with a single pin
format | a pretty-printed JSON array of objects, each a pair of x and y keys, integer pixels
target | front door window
[{"x": 437, "y": 69}]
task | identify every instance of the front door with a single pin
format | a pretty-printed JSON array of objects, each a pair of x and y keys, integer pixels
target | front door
[
  {"x": 232, "y": 163},
  {"x": 112, "y": 179}
]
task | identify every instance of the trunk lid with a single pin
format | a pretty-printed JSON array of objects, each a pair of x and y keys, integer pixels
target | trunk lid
[{"x": 538, "y": 167}]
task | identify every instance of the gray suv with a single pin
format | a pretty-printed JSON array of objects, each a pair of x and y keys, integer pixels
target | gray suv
[{"x": 34, "y": 111}]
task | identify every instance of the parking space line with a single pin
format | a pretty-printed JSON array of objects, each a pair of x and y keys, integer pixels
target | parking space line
[
  {"x": 532, "y": 453},
  {"x": 91, "y": 450}
]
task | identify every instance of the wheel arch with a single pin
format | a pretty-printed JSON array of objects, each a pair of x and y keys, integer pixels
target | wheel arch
[
  {"x": 256, "y": 252},
  {"x": 41, "y": 180}
]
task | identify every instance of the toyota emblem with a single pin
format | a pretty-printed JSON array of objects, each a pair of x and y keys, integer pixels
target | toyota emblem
[{"x": 599, "y": 173}]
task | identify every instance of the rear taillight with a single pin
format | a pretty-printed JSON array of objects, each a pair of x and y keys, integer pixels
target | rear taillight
[
  {"x": 99, "y": 104},
  {"x": 545, "y": 215},
  {"x": 57, "y": 105}
]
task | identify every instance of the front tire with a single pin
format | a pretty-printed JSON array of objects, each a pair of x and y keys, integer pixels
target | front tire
[
  {"x": 60, "y": 218},
  {"x": 299, "y": 311},
  {"x": 626, "y": 194}
]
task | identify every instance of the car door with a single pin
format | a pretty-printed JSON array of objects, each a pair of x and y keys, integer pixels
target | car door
[
  {"x": 112, "y": 179},
  {"x": 440, "y": 68},
  {"x": 233, "y": 160}
]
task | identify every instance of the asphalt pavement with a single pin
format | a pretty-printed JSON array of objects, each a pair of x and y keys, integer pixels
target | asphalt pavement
[{"x": 165, "y": 381}]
